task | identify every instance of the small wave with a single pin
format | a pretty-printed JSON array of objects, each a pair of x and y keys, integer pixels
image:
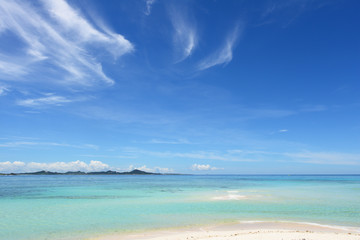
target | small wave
[
  {"x": 231, "y": 197},
  {"x": 345, "y": 228},
  {"x": 331, "y": 226},
  {"x": 233, "y": 191}
]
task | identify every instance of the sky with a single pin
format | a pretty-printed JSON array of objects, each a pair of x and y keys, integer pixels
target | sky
[{"x": 201, "y": 87}]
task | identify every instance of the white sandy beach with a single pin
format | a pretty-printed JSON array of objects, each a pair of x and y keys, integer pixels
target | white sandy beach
[{"x": 249, "y": 231}]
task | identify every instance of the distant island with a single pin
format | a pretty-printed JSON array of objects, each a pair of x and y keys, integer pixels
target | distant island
[{"x": 133, "y": 172}]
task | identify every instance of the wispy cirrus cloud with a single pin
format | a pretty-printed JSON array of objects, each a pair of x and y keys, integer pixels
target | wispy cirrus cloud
[
  {"x": 287, "y": 12},
  {"x": 3, "y": 90},
  {"x": 148, "y": 6},
  {"x": 16, "y": 144},
  {"x": 71, "y": 21},
  {"x": 283, "y": 130},
  {"x": 185, "y": 33},
  {"x": 11, "y": 68},
  {"x": 48, "y": 100},
  {"x": 223, "y": 55},
  {"x": 57, "y": 40}
]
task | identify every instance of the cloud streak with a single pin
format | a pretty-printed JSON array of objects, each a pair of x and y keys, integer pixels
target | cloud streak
[
  {"x": 58, "y": 41},
  {"x": 49, "y": 100},
  {"x": 3, "y": 90},
  {"x": 223, "y": 55},
  {"x": 148, "y": 6},
  {"x": 185, "y": 34},
  {"x": 283, "y": 130},
  {"x": 51, "y": 144}
]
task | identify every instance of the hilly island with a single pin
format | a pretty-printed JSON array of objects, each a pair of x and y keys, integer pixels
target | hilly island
[{"x": 133, "y": 172}]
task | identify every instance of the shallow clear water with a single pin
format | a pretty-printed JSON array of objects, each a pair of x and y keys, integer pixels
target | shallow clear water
[{"x": 73, "y": 207}]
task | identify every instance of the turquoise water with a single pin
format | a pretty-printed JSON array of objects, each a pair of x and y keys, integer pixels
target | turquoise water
[{"x": 75, "y": 207}]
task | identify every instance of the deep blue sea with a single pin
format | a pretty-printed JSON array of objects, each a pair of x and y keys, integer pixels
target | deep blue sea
[{"x": 78, "y": 207}]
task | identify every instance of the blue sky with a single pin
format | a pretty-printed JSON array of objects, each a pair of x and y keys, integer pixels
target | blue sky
[{"x": 180, "y": 86}]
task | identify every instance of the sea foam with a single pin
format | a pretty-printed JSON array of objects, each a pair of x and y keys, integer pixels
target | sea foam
[{"x": 231, "y": 195}]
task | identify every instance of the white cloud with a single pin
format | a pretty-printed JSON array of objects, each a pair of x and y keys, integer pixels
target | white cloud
[
  {"x": 155, "y": 169},
  {"x": 203, "y": 167},
  {"x": 149, "y": 4},
  {"x": 72, "y": 22},
  {"x": 43, "y": 101},
  {"x": 130, "y": 168},
  {"x": 225, "y": 54},
  {"x": 283, "y": 130},
  {"x": 58, "y": 41},
  {"x": 144, "y": 168},
  {"x": 93, "y": 166},
  {"x": 6, "y": 167},
  {"x": 185, "y": 35},
  {"x": 97, "y": 166}
]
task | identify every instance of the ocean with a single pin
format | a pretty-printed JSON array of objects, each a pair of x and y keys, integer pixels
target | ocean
[{"x": 70, "y": 207}]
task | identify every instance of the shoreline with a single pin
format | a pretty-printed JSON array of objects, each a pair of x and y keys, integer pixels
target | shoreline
[{"x": 245, "y": 230}]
